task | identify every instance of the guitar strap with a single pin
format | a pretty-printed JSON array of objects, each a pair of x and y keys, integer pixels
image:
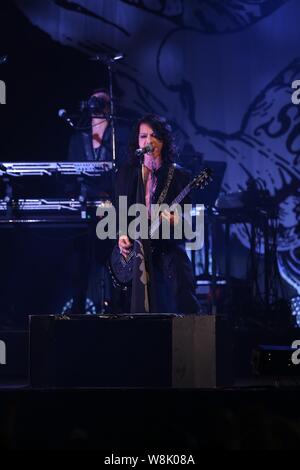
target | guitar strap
[
  {"x": 163, "y": 194},
  {"x": 168, "y": 182}
]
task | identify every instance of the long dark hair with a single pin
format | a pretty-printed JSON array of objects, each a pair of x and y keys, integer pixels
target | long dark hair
[{"x": 162, "y": 131}]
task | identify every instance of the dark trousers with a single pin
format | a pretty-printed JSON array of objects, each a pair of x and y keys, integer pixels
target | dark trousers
[{"x": 174, "y": 282}]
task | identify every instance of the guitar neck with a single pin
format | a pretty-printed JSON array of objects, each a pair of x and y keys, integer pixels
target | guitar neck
[
  {"x": 182, "y": 195},
  {"x": 155, "y": 225},
  {"x": 199, "y": 181}
]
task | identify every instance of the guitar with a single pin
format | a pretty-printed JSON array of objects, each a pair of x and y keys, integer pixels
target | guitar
[{"x": 121, "y": 268}]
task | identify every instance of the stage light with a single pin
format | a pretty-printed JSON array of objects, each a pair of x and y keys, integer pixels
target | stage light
[
  {"x": 90, "y": 308},
  {"x": 295, "y": 307}
]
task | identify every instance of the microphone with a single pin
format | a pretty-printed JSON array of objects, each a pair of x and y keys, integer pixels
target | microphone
[
  {"x": 62, "y": 114},
  {"x": 118, "y": 56},
  {"x": 140, "y": 152},
  {"x": 108, "y": 59}
]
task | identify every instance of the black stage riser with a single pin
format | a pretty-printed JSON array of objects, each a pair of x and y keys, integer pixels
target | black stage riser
[{"x": 127, "y": 351}]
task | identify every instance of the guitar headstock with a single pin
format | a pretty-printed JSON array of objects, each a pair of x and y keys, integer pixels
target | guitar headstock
[{"x": 202, "y": 179}]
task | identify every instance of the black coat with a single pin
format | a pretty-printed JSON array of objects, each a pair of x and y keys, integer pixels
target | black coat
[
  {"x": 127, "y": 180},
  {"x": 173, "y": 277},
  {"x": 127, "y": 177},
  {"x": 81, "y": 146}
]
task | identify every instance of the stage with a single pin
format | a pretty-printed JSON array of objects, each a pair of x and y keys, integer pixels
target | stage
[
  {"x": 41, "y": 408},
  {"x": 119, "y": 340},
  {"x": 262, "y": 417}
]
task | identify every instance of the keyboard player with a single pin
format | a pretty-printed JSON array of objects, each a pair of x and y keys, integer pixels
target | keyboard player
[
  {"x": 92, "y": 141},
  {"x": 93, "y": 138}
]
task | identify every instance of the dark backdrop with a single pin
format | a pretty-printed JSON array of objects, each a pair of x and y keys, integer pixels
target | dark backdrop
[{"x": 221, "y": 71}]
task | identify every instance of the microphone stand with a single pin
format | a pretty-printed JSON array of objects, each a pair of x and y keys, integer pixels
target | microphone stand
[
  {"x": 109, "y": 62},
  {"x": 112, "y": 113}
]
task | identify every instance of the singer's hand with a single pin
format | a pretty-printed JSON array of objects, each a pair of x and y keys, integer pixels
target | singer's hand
[
  {"x": 171, "y": 217},
  {"x": 124, "y": 245}
]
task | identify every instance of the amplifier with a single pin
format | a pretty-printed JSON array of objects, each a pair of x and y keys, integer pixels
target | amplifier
[
  {"x": 129, "y": 351},
  {"x": 274, "y": 360}
]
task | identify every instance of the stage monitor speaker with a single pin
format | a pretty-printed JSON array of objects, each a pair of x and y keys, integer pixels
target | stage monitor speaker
[
  {"x": 274, "y": 360},
  {"x": 129, "y": 351}
]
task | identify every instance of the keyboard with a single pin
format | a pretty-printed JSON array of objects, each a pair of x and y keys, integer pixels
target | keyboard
[
  {"x": 87, "y": 168},
  {"x": 47, "y": 210}
]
